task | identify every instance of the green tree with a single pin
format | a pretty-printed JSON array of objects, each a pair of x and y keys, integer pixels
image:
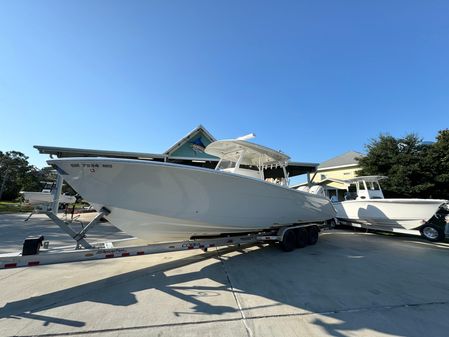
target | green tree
[
  {"x": 403, "y": 161},
  {"x": 438, "y": 161},
  {"x": 15, "y": 174}
]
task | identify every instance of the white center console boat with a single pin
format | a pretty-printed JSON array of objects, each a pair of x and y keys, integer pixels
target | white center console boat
[
  {"x": 365, "y": 206},
  {"x": 161, "y": 202}
]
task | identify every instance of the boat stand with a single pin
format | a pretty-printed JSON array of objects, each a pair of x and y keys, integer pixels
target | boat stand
[{"x": 78, "y": 237}]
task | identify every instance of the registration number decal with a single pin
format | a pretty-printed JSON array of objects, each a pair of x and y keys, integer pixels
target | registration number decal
[{"x": 84, "y": 165}]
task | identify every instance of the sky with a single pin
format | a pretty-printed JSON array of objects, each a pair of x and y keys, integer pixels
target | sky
[{"x": 312, "y": 78}]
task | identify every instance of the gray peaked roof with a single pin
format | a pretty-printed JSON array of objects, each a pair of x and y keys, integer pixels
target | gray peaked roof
[{"x": 346, "y": 159}]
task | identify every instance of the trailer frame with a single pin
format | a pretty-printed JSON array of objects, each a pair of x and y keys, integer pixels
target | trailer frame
[{"x": 85, "y": 251}]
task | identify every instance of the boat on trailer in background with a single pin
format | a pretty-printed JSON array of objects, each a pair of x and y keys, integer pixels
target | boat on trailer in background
[
  {"x": 365, "y": 206},
  {"x": 46, "y": 196}
]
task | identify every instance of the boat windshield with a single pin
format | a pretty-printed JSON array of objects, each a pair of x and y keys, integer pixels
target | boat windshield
[
  {"x": 373, "y": 185},
  {"x": 225, "y": 164},
  {"x": 48, "y": 186}
]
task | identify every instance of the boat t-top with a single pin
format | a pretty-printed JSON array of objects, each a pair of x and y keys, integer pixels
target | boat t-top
[
  {"x": 248, "y": 159},
  {"x": 162, "y": 202}
]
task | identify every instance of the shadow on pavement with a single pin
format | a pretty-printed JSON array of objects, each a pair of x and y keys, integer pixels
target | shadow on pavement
[{"x": 369, "y": 276}]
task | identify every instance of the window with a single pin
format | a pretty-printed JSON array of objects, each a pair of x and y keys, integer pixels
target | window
[
  {"x": 372, "y": 186},
  {"x": 225, "y": 164},
  {"x": 361, "y": 186},
  {"x": 331, "y": 193}
]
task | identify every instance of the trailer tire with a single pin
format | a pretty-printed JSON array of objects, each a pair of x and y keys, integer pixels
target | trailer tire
[
  {"x": 301, "y": 237},
  {"x": 432, "y": 232},
  {"x": 288, "y": 242},
  {"x": 313, "y": 234}
]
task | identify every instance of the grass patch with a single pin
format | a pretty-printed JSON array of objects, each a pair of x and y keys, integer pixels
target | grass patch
[{"x": 14, "y": 207}]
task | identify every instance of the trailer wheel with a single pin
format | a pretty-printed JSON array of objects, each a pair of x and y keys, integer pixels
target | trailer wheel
[
  {"x": 313, "y": 234},
  {"x": 288, "y": 241},
  {"x": 301, "y": 237},
  {"x": 432, "y": 232}
]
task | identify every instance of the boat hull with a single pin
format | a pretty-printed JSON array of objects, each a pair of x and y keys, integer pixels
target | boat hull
[
  {"x": 387, "y": 214},
  {"x": 159, "y": 202}
]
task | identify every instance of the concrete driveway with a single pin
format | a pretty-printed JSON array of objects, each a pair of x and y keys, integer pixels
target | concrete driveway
[{"x": 349, "y": 284}]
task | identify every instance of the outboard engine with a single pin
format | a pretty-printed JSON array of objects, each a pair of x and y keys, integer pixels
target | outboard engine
[{"x": 318, "y": 190}]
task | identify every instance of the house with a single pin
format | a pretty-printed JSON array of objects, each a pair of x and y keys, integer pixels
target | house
[{"x": 344, "y": 166}]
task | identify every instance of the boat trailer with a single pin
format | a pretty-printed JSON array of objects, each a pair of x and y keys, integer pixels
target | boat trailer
[{"x": 36, "y": 251}]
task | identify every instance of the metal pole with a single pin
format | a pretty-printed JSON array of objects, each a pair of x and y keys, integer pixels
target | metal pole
[
  {"x": 310, "y": 180},
  {"x": 58, "y": 190}
]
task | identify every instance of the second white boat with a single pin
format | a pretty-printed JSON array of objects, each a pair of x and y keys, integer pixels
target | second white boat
[{"x": 366, "y": 206}]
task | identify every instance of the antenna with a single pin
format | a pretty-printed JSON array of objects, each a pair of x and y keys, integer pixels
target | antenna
[{"x": 246, "y": 137}]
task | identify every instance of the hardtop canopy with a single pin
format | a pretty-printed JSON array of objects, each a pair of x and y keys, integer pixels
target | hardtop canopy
[
  {"x": 352, "y": 180},
  {"x": 254, "y": 154},
  {"x": 366, "y": 178}
]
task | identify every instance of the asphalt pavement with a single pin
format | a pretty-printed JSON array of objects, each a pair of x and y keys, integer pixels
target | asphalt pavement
[{"x": 348, "y": 284}]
